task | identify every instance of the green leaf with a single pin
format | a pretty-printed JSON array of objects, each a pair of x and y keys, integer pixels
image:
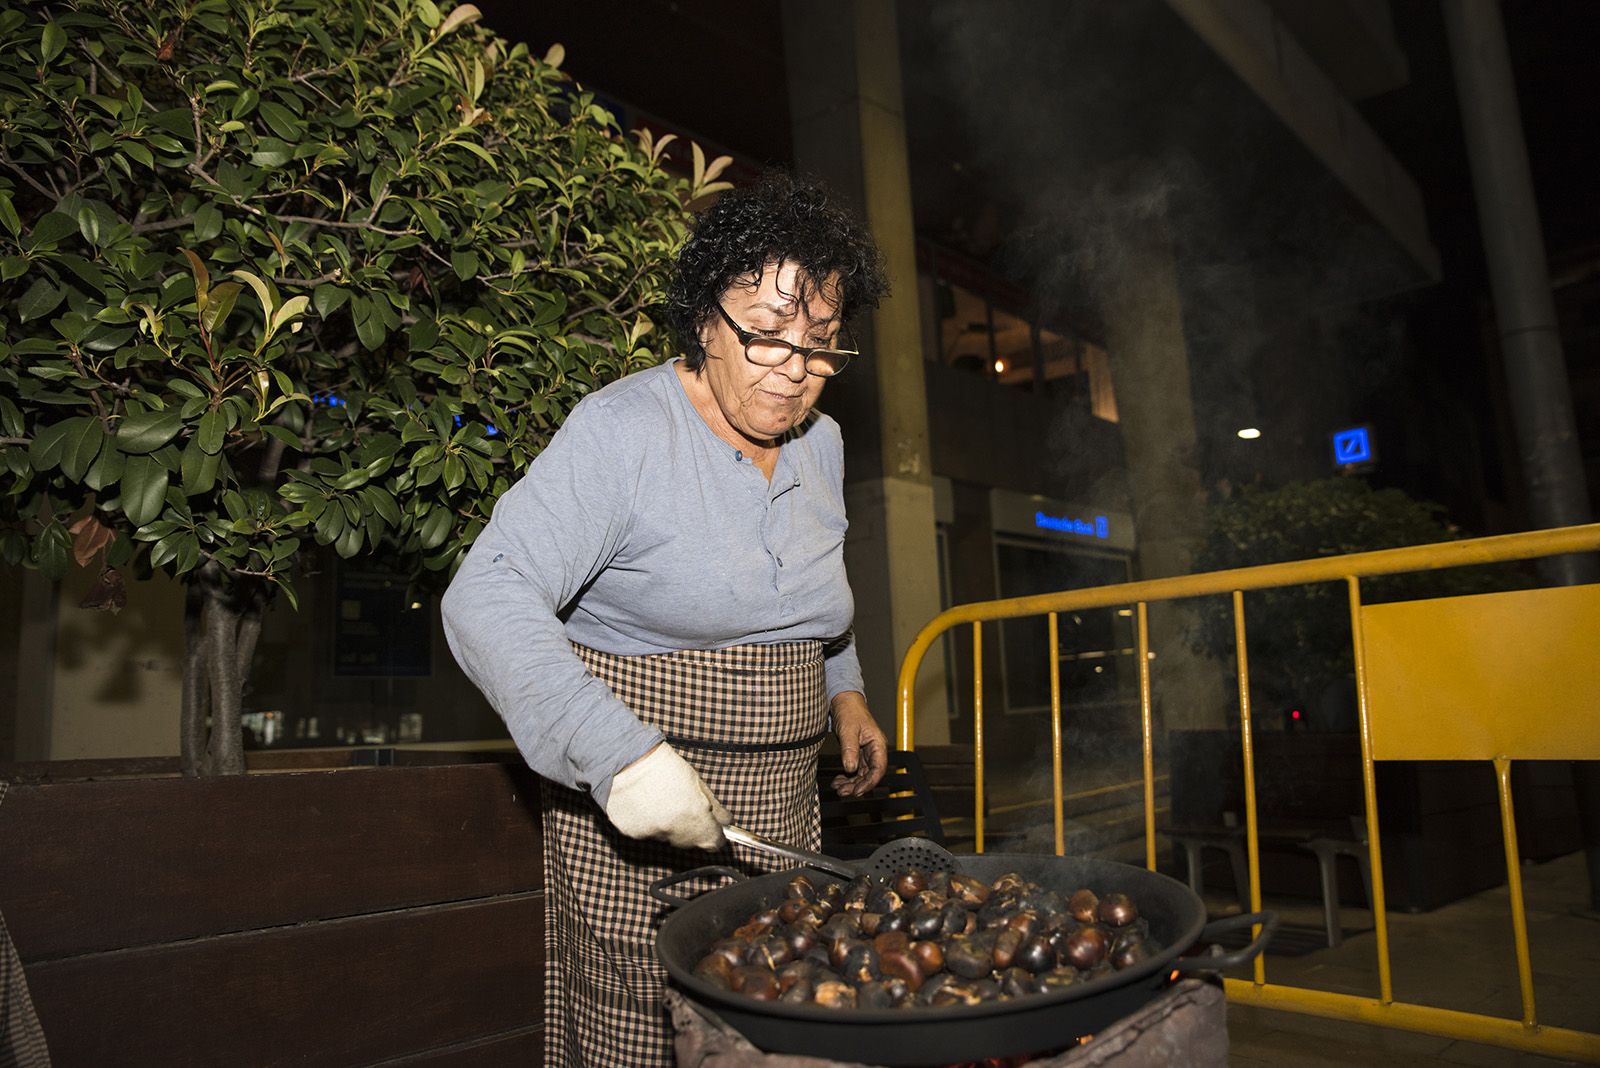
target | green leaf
[
  {"x": 106, "y": 469},
  {"x": 148, "y": 431},
  {"x": 271, "y": 152},
  {"x": 282, "y": 121},
  {"x": 465, "y": 264},
  {"x": 207, "y": 222},
  {"x": 139, "y": 153},
  {"x": 81, "y": 446},
  {"x": 52, "y": 551},
  {"x": 328, "y": 298},
  {"x": 283, "y": 434},
  {"x": 8, "y": 214},
  {"x": 213, "y": 427},
  {"x": 144, "y": 489},
  {"x": 223, "y": 294},
  {"x": 40, "y": 300},
  {"x": 292, "y": 308},
  {"x": 89, "y": 224},
  {"x": 383, "y": 503},
  {"x": 199, "y": 468},
  {"x": 435, "y": 528},
  {"x": 202, "y": 277},
  {"x": 369, "y": 325},
  {"x": 51, "y": 228},
  {"x": 349, "y": 542},
  {"x": 464, "y": 14},
  {"x": 51, "y": 43},
  {"x": 45, "y": 450},
  {"x": 263, "y": 292}
]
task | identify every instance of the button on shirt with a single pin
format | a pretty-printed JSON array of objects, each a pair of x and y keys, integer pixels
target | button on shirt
[{"x": 637, "y": 531}]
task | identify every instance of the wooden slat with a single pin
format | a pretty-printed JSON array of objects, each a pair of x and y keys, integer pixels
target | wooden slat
[
  {"x": 341, "y": 992},
  {"x": 93, "y": 866},
  {"x": 517, "y": 1049}
]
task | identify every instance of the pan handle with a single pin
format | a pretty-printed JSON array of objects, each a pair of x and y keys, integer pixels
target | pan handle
[
  {"x": 1200, "y": 965},
  {"x": 659, "y": 887}
]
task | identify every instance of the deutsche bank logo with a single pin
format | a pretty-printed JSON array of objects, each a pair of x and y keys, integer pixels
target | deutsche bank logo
[
  {"x": 1353, "y": 446},
  {"x": 1065, "y": 524}
]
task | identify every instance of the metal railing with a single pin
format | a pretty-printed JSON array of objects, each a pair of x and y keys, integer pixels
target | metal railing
[{"x": 1389, "y": 730}]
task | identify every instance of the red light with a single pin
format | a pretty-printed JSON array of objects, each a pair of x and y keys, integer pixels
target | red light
[{"x": 1294, "y": 714}]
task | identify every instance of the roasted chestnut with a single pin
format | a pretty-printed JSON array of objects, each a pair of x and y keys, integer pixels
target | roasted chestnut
[
  {"x": 1084, "y": 906},
  {"x": 910, "y": 882},
  {"x": 969, "y": 891},
  {"x": 754, "y": 981},
  {"x": 921, "y": 938},
  {"x": 930, "y": 955},
  {"x": 1085, "y": 948},
  {"x": 968, "y": 958},
  {"x": 902, "y": 964},
  {"x": 836, "y": 995},
  {"x": 1118, "y": 910},
  {"x": 1006, "y": 944},
  {"x": 1038, "y": 955},
  {"x": 860, "y": 964}
]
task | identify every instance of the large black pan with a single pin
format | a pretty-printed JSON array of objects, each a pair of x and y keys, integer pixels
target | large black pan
[{"x": 935, "y": 1036}]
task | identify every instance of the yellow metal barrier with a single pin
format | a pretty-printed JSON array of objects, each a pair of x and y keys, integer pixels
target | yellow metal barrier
[{"x": 1408, "y": 659}]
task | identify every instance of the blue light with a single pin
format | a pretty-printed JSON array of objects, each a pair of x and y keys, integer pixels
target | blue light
[
  {"x": 1100, "y": 527},
  {"x": 1352, "y": 446}
]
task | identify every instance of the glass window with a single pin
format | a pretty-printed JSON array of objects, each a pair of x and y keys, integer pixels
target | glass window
[
  {"x": 974, "y": 334},
  {"x": 1098, "y": 661}
]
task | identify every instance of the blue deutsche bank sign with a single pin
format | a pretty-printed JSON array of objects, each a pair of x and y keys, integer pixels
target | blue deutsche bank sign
[
  {"x": 1099, "y": 527},
  {"x": 1352, "y": 446}
]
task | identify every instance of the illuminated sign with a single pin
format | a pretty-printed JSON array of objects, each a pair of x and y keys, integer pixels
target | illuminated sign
[
  {"x": 1098, "y": 527},
  {"x": 1353, "y": 446},
  {"x": 1088, "y": 523}
]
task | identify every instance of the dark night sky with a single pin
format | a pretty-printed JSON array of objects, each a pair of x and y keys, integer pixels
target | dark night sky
[{"x": 1554, "y": 47}]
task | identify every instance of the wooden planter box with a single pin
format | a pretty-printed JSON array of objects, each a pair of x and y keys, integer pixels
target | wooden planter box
[{"x": 350, "y": 917}]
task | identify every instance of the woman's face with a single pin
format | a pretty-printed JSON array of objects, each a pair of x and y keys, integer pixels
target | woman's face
[{"x": 764, "y": 403}]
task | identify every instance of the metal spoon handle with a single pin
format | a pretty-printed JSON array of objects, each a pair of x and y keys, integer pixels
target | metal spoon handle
[{"x": 821, "y": 861}]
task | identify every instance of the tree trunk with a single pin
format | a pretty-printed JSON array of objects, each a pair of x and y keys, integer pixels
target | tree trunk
[
  {"x": 222, "y": 621},
  {"x": 192, "y": 727}
]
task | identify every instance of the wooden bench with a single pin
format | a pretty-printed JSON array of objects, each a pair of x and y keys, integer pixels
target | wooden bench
[{"x": 351, "y": 917}]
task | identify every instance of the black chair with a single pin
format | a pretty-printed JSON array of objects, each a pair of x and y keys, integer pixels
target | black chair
[{"x": 900, "y": 805}]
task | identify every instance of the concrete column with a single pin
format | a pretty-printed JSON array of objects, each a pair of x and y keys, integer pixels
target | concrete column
[
  {"x": 1530, "y": 340},
  {"x": 1143, "y": 312},
  {"x": 843, "y": 65}
]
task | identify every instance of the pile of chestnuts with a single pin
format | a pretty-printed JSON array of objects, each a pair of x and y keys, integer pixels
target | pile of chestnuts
[{"x": 925, "y": 939}]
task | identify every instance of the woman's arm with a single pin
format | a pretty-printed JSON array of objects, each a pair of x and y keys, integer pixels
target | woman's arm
[{"x": 550, "y": 535}]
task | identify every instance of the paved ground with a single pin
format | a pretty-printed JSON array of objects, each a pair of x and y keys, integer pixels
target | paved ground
[{"x": 1457, "y": 957}]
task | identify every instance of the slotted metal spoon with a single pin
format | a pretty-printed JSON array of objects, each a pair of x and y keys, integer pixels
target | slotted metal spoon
[{"x": 909, "y": 852}]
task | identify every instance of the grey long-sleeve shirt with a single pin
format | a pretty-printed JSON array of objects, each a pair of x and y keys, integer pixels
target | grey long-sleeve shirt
[{"x": 638, "y": 530}]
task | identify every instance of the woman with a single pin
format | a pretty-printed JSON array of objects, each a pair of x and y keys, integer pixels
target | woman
[{"x": 660, "y": 613}]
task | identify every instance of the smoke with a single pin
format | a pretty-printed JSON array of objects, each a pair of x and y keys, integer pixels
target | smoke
[
  {"x": 1114, "y": 142},
  {"x": 1101, "y": 155}
]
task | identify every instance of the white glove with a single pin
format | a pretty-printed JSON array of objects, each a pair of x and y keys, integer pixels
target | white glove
[{"x": 660, "y": 796}]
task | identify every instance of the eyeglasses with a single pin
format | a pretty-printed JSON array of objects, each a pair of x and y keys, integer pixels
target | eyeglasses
[{"x": 775, "y": 352}]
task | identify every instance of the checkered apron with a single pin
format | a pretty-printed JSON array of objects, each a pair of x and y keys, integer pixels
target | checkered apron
[
  {"x": 22, "y": 1042},
  {"x": 750, "y": 720}
]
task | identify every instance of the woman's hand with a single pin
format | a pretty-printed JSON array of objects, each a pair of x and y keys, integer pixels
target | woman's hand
[
  {"x": 863, "y": 748},
  {"x": 660, "y": 796}
]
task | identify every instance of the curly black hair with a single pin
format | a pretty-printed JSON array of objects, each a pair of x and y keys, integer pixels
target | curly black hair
[{"x": 778, "y": 219}]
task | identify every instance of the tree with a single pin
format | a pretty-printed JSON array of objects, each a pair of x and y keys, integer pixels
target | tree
[
  {"x": 279, "y": 275},
  {"x": 1299, "y": 636}
]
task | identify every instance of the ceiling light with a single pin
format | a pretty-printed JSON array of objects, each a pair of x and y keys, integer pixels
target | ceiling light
[
  {"x": 1249, "y": 433},
  {"x": 999, "y": 367}
]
